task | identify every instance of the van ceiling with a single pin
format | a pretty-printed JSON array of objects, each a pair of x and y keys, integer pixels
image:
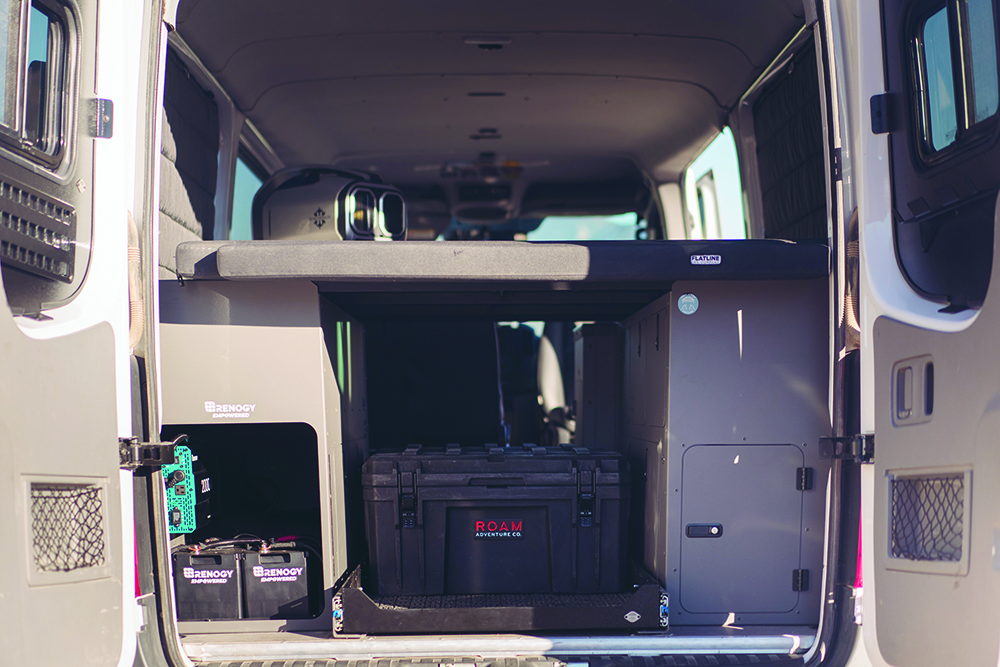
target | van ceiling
[{"x": 403, "y": 85}]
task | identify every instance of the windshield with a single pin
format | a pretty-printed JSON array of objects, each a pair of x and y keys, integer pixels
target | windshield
[{"x": 621, "y": 227}]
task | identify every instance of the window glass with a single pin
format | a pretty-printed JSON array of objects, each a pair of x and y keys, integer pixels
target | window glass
[
  {"x": 245, "y": 186},
  {"x": 714, "y": 193},
  {"x": 38, "y": 36},
  {"x": 37, "y": 83},
  {"x": 42, "y": 111},
  {"x": 10, "y": 15},
  {"x": 621, "y": 227},
  {"x": 983, "y": 96},
  {"x": 942, "y": 119}
]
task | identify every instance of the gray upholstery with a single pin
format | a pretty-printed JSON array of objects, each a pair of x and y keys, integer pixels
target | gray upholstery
[
  {"x": 634, "y": 263},
  {"x": 188, "y": 163}
]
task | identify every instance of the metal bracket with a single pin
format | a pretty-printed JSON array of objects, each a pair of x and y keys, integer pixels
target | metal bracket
[
  {"x": 102, "y": 118},
  {"x": 858, "y": 448},
  {"x": 133, "y": 454}
]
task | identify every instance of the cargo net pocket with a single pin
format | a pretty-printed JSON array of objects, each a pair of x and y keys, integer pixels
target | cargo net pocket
[
  {"x": 927, "y": 514},
  {"x": 67, "y": 526}
]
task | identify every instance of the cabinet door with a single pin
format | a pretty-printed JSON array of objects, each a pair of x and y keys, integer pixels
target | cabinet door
[{"x": 741, "y": 517}]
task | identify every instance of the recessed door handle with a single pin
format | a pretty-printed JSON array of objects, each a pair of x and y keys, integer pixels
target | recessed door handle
[
  {"x": 904, "y": 392},
  {"x": 704, "y": 530}
]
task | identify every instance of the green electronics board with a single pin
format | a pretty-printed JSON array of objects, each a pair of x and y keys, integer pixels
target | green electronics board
[{"x": 181, "y": 497}]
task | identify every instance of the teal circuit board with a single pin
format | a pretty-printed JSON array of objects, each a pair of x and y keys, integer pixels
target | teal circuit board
[{"x": 179, "y": 480}]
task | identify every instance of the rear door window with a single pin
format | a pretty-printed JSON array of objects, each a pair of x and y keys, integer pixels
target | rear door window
[
  {"x": 955, "y": 72},
  {"x": 943, "y": 98},
  {"x": 941, "y": 123}
]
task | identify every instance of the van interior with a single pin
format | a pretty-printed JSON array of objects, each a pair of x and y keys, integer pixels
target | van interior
[{"x": 320, "y": 376}]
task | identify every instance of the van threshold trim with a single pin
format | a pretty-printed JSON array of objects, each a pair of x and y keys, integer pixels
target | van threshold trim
[{"x": 210, "y": 648}]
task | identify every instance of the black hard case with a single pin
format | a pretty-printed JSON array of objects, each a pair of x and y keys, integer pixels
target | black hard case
[{"x": 496, "y": 520}]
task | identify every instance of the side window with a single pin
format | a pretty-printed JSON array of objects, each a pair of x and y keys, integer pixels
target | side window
[
  {"x": 10, "y": 25},
  {"x": 940, "y": 118},
  {"x": 941, "y": 68},
  {"x": 714, "y": 193},
  {"x": 246, "y": 182},
  {"x": 955, "y": 76},
  {"x": 34, "y": 95}
]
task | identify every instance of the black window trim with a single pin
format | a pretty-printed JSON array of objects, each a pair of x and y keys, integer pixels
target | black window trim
[
  {"x": 967, "y": 135},
  {"x": 12, "y": 138}
]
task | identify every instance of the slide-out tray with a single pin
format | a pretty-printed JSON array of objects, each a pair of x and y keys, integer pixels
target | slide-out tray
[{"x": 643, "y": 607}]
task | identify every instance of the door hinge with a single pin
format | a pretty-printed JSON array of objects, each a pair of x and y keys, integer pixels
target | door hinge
[
  {"x": 133, "y": 454},
  {"x": 838, "y": 171},
  {"x": 858, "y": 448},
  {"x": 804, "y": 479},
  {"x": 800, "y": 580}
]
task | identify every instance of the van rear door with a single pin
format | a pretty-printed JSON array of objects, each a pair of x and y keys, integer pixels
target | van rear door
[
  {"x": 931, "y": 317},
  {"x": 63, "y": 567}
]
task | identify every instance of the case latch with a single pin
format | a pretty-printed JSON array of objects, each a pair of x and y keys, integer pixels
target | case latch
[
  {"x": 407, "y": 500},
  {"x": 587, "y": 492}
]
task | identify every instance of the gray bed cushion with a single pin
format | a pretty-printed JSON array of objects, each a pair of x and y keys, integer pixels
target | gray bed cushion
[{"x": 511, "y": 262}]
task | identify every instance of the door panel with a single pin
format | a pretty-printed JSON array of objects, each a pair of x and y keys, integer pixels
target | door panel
[
  {"x": 60, "y": 502},
  {"x": 937, "y": 490},
  {"x": 61, "y": 588}
]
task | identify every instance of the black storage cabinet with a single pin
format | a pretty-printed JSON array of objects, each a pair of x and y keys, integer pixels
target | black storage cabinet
[{"x": 496, "y": 520}]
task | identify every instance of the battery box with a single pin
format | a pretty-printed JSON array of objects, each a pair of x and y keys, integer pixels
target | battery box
[
  {"x": 276, "y": 584},
  {"x": 235, "y": 583},
  {"x": 496, "y": 520},
  {"x": 209, "y": 585}
]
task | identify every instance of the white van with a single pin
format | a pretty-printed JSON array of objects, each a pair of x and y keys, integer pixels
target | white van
[{"x": 240, "y": 379}]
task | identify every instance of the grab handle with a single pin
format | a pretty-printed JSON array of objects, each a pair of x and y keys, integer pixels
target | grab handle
[{"x": 496, "y": 481}]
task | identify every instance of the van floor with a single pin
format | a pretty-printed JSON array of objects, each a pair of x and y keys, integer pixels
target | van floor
[{"x": 781, "y": 645}]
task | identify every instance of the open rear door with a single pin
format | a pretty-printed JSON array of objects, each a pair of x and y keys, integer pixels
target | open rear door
[
  {"x": 63, "y": 564},
  {"x": 932, "y": 583},
  {"x": 937, "y": 490},
  {"x": 60, "y": 502}
]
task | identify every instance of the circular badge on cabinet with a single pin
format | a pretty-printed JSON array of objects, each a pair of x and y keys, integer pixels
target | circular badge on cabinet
[{"x": 687, "y": 304}]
